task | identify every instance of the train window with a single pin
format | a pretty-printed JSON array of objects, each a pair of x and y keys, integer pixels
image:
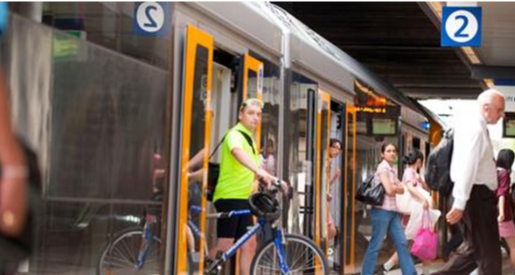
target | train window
[
  {"x": 107, "y": 155},
  {"x": 252, "y": 85},
  {"x": 301, "y": 136},
  {"x": 509, "y": 125},
  {"x": 109, "y": 25},
  {"x": 384, "y": 126},
  {"x": 416, "y": 143},
  {"x": 269, "y": 135}
]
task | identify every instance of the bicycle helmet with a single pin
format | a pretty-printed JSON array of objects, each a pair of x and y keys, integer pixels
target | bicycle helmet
[{"x": 264, "y": 206}]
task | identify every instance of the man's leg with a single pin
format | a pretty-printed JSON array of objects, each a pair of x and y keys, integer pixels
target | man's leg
[
  {"x": 462, "y": 264},
  {"x": 481, "y": 237},
  {"x": 248, "y": 249},
  {"x": 485, "y": 232},
  {"x": 222, "y": 245},
  {"x": 226, "y": 228},
  {"x": 247, "y": 255}
]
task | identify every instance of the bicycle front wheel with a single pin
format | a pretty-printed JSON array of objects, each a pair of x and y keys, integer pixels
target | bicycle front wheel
[
  {"x": 301, "y": 256},
  {"x": 120, "y": 256}
]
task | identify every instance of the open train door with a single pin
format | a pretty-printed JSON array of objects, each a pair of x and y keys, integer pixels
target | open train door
[
  {"x": 322, "y": 168},
  {"x": 195, "y": 147}
]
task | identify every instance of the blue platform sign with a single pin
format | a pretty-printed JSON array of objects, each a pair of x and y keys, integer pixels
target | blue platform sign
[
  {"x": 461, "y": 26},
  {"x": 152, "y": 18}
]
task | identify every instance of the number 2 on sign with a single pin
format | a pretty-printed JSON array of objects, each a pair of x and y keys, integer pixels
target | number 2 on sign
[
  {"x": 459, "y": 32},
  {"x": 152, "y": 23}
]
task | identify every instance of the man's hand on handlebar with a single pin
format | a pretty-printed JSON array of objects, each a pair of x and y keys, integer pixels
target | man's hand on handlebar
[
  {"x": 275, "y": 186},
  {"x": 264, "y": 177}
]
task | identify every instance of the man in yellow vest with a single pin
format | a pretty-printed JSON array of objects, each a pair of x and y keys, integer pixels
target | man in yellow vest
[{"x": 239, "y": 169}]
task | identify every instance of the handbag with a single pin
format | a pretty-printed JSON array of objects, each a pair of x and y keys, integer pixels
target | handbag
[
  {"x": 425, "y": 244},
  {"x": 369, "y": 193}
]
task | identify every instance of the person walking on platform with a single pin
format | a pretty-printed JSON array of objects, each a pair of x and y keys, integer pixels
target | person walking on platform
[
  {"x": 420, "y": 199},
  {"x": 385, "y": 218},
  {"x": 506, "y": 225},
  {"x": 474, "y": 175}
]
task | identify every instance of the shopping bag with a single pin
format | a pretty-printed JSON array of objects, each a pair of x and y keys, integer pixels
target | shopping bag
[
  {"x": 405, "y": 202},
  {"x": 425, "y": 244}
]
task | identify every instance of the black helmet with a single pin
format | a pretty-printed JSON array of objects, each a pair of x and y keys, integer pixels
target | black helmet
[{"x": 265, "y": 206}]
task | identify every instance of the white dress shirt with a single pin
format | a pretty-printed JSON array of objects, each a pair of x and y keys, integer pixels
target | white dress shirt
[{"x": 473, "y": 160}]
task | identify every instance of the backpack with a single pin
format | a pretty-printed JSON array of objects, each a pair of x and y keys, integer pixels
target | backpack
[
  {"x": 213, "y": 171},
  {"x": 438, "y": 174},
  {"x": 14, "y": 250}
]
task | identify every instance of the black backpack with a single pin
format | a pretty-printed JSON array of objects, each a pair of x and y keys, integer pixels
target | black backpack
[
  {"x": 214, "y": 168},
  {"x": 438, "y": 174}
]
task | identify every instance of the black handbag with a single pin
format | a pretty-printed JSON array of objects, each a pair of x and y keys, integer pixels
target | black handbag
[
  {"x": 370, "y": 194},
  {"x": 212, "y": 179}
]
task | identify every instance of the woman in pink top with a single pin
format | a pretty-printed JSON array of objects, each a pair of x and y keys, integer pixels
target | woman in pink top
[
  {"x": 504, "y": 163},
  {"x": 413, "y": 182},
  {"x": 385, "y": 218}
]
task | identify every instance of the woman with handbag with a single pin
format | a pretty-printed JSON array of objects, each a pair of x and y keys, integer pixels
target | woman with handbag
[
  {"x": 418, "y": 196},
  {"x": 504, "y": 162},
  {"x": 385, "y": 218}
]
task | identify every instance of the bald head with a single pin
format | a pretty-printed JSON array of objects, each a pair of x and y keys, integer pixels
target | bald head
[{"x": 491, "y": 104}]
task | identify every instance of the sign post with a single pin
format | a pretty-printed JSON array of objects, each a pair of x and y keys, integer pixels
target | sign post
[{"x": 461, "y": 26}]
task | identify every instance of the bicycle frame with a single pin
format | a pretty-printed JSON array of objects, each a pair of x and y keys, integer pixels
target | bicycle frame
[
  {"x": 278, "y": 241},
  {"x": 147, "y": 241}
]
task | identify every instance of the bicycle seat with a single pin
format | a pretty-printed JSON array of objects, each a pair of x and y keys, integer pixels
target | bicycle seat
[{"x": 265, "y": 206}]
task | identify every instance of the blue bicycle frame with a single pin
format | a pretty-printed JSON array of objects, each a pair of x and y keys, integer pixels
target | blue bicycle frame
[
  {"x": 142, "y": 256},
  {"x": 278, "y": 241}
]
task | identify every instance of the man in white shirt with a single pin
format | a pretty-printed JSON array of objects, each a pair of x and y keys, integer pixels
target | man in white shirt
[{"x": 475, "y": 180}]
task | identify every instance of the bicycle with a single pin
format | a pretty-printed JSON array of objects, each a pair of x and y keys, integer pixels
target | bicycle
[
  {"x": 285, "y": 254},
  {"x": 134, "y": 251}
]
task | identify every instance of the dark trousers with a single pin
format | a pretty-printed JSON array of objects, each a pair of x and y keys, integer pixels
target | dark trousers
[
  {"x": 455, "y": 230},
  {"x": 481, "y": 237}
]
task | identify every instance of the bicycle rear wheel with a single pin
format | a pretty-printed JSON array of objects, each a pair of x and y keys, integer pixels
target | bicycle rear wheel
[
  {"x": 120, "y": 256},
  {"x": 302, "y": 256}
]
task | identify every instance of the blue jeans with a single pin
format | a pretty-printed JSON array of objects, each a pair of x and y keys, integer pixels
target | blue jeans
[{"x": 384, "y": 221}]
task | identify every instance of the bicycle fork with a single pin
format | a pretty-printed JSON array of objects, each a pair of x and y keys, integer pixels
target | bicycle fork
[{"x": 145, "y": 243}]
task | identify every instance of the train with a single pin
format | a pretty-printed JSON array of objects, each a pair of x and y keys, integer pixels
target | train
[{"x": 119, "y": 119}]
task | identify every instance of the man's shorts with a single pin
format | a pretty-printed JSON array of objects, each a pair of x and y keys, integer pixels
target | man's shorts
[{"x": 233, "y": 227}]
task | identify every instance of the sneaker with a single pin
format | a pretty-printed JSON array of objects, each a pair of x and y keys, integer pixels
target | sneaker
[
  {"x": 330, "y": 251},
  {"x": 380, "y": 270}
]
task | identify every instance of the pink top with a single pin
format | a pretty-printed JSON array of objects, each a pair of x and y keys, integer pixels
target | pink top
[
  {"x": 389, "y": 203},
  {"x": 410, "y": 175}
]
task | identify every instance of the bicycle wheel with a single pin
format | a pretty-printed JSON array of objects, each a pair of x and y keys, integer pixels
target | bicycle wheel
[
  {"x": 301, "y": 255},
  {"x": 120, "y": 256}
]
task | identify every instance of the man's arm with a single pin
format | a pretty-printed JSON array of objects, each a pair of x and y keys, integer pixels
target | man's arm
[
  {"x": 246, "y": 161},
  {"x": 465, "y": 162}
]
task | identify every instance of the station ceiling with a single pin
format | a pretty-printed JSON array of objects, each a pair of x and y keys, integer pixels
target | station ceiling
[{"x": 400, "y": 41}]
